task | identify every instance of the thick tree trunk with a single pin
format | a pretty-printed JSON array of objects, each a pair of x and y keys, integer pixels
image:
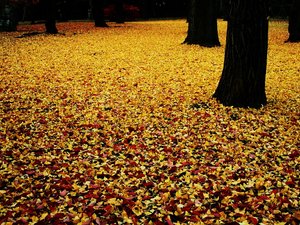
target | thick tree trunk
[
  {"x": 225, "y": 4},
  {"x": 49, "y": 7},
  {"x": 202, "y": 19},
  {"x": 98, "y": 13},
  {"x": 242, "y": 83},
  {"x": 294, "y": 22}
]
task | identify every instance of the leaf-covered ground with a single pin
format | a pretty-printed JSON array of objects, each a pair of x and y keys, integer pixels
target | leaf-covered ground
[{"x": 117, "y": 126}]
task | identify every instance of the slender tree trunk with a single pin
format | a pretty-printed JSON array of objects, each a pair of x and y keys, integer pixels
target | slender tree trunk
[
  {"x": 119, "y": 8},
  {"x": 8, "y": 17},
  {"x": 242, "y": 83},
  {"x": 294, "y": 22},
  {"x": 98, "y": 13},
  {"x": 50, "y": 16},
  {"x": 202, "y": 19}
]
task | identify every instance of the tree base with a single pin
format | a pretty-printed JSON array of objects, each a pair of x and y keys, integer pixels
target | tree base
[
  {"x": 52, "y": 31},
  {"x": 51, "y": 27},
  {"x": 101, "y": 25},
  {"x": 293, "y": 40},
  {"x": 238, "y": 103},
  {"x": 204, "y": 44}
]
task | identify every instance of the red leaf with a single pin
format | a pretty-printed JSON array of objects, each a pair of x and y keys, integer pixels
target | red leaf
[
  {"x": 206, "y": 115},
  {"x": 265, "y": 134},
  {"x": 30, "y": 172},
  {"x": 87, "y": 222},
  {"x": 94, "y": 186},
  {"x": 64, "y": 96},
  {"x": 169, "y": 222},
  {"x": 295, "y": 154},
  {"x": 290, "y": 182},
  {"x": 146, "y": 197},
  {"x": 253, "y": 220},
  {"x": 263, "y": 197},
  {"x": 148, "y": 184},
  {"x": 117, "y": 147},
  {"x": 108, "y": 210},
  {"x": 186, "y": 163},
  {"x": 43, "y": 121},
  {"x": 216, "y": 214},
  {"x": 134, "y": 220},
  {"x": 63, "y": 193}
]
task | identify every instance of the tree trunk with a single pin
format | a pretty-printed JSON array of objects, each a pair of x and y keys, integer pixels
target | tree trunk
[
  {"x": 50, "y": 16},
  {"x": 8, "y": 18},
  {"x": 242, "y": 83},
  {"x": 119, "y": 9},
  {"x": 98, "y": 13},
  {"x": 294, "y": 22},
  {"x": 202, "y": 19},
  {"x": 225, "y": 8}
]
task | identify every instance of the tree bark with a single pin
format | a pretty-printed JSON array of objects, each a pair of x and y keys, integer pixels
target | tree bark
[
  {"x": 242, "y": 83},
  {"x": 294, "y": 22},
  {"x": 98, "y": 13},
  {"x": 50, "y": 16},
  {"x": 225, "y": 8},
  {"x": 202, "y": 20},
  {"x": 119, "y": 9},
  {"x": 8, "y": 18}
]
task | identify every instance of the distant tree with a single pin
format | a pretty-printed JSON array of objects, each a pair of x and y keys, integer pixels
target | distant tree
[
  {"x": 98, "y": 13},
  {"x": 294, "y": 22},
  {"x": 8, "y": 18},
  {"x": 119, "y": 10},
  {"x": 242, "y": 83},
  {"x": 49, "y": 7},
  {"x": 202, "y": 23},
  {"x": 63, "y": 10}
]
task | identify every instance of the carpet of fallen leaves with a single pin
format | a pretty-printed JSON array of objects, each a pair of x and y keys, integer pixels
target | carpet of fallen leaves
[{"x": 117, "y": 126}]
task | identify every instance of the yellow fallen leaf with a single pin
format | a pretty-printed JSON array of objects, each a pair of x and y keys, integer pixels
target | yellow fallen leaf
[{"x": 43, "y": 216}]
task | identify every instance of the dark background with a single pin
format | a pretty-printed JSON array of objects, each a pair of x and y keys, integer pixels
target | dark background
[{"x": 134, "y": 9}]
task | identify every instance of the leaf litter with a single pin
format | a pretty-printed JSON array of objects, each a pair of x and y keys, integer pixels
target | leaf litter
[{"x": 117, "y": 126}]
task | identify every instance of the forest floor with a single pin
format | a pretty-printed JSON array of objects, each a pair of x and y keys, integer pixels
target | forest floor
[{"x": 117, "y": 126}]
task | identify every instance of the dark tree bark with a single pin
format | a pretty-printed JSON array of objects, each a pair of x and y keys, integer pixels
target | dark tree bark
[
  {"x": 202, "y": 19},
  {"x": 98, "y": 13},
  {"x": 225, "y": 8},
  {"x": 8, "y": 18},
  {"x": 119, "y": 9},
  {"x": 242, "y": 83},
  {"x": 49, "y": 7},
  {"x": 294, "y": 22},
  {"x": 147, "y": 8}
]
